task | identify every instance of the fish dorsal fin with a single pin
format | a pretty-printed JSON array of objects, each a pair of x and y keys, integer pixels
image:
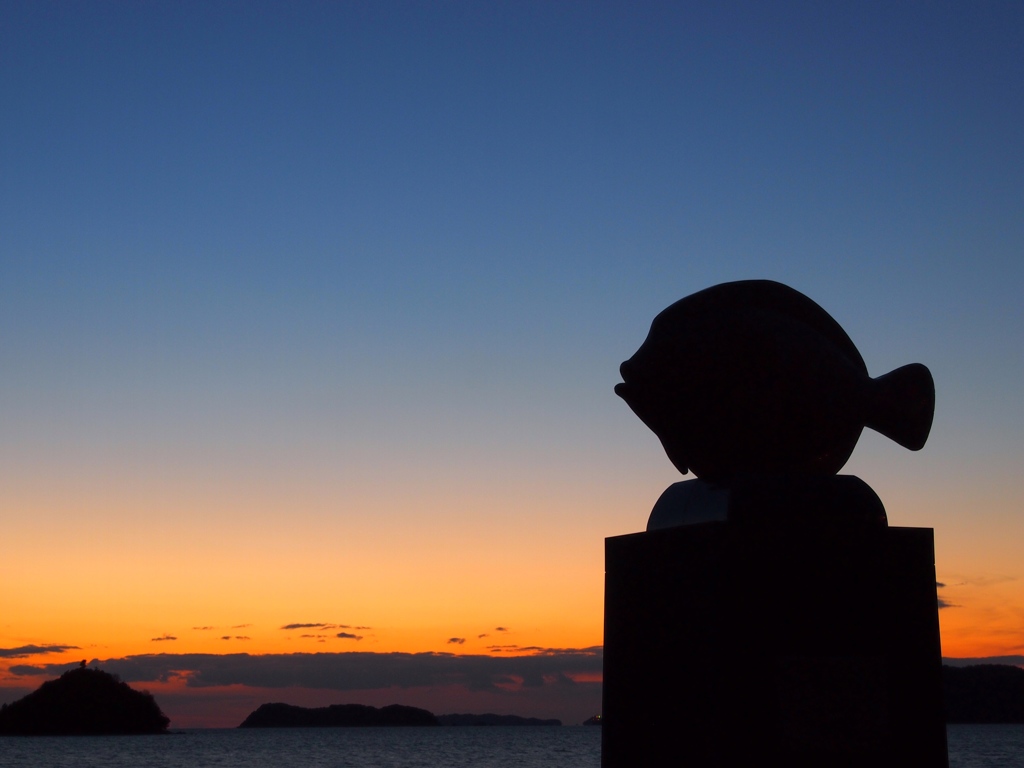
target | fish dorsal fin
[{"x": 903, "y": 405}]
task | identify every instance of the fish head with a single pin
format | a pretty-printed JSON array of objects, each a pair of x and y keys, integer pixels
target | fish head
[
  {"x": 740, "y": 380},
  {"x": 660, "y": 386}
]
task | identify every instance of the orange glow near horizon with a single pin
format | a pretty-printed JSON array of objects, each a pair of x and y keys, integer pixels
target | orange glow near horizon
[
  {"x": 228, "y": 574},
  {"x": 985, "y": 620},
  {"x": 413, "y": 585}
]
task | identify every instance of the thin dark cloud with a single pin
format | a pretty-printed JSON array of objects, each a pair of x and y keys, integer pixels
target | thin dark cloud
[
  {"x": 940, "y": 600},
  {"x": 988, "y": 581},
  {"x": 311, "y": 625},
  {"x": 456, "y": 640},
  {"x": 236, "y": 637},
  {"x": 536, "y": 650},
  {"x": 203, "y": 629},
  {"x": 240, "y": 626},
  {"x": 501, "y": 629},
  {"x": 10, "y": 694},
  {"x": 162, "y": 639},
  {"x": 478, "y": 637},
  {"x": 979, "y": 581},
  {"x": 46, "y": 669},
  {"x": 348, "y": 636},
  {"x": 350, "y": 671},
  {"x": 35, "y": 650}
]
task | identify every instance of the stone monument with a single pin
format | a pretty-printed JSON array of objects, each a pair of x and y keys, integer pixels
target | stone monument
[{"x": 770, "y": 615}]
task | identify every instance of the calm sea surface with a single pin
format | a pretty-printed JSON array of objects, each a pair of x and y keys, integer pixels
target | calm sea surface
[{"x": 970, "y": 746}]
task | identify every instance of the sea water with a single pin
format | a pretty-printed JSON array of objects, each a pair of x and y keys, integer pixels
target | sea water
[
  {"x": 445, "y": 747},
  {"x": 970, "y": 746},
  {"x": 985, "y": 746}
]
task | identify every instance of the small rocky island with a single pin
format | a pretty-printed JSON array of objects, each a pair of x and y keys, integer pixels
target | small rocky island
[{"x": 81, "y": 702}]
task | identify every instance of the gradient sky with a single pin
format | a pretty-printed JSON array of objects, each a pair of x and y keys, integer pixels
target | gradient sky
[{"x": 310, "y": 313}]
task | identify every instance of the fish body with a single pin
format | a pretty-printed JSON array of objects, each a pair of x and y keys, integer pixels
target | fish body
[{"x": 753, "y": 378}]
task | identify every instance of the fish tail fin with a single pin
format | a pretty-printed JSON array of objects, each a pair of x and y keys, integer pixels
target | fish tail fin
[{"x": 903, "y": 405}]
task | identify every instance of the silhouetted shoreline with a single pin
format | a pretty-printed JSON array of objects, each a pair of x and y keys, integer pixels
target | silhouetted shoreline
[
  {"x": 82, "y": 702},
  {"x": 278, "y": 715},
  {"x": 491, "y": 719},
  {"x": 89, "y": 701},
  {"x": 984, "y": 693}
]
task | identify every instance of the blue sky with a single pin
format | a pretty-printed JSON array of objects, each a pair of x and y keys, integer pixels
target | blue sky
[{"x": 324, "y": 253}]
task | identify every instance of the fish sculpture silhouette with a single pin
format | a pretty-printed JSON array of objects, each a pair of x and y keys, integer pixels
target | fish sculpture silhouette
[{"x": 752, "y": 379}]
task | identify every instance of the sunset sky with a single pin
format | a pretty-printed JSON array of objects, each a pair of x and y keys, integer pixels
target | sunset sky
[{"x": 310, "y": 315}]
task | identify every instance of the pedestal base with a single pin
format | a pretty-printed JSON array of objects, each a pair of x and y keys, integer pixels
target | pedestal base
[{"x": 736, "y": 645}]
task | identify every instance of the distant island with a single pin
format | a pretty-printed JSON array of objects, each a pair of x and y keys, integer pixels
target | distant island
[
  {"x": 336, "y": 716},
  {"x": 89, "y": 701},
  {"x": 83, "y": 701},
  {"x": 490, "y": 719},
  {"x": 359, "y": 715},
  {"x": 984, "y": 693}
]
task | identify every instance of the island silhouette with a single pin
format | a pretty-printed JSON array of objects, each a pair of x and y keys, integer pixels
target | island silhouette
[
  {"x": 278, "y": 715},
  {"x": 81, "y": 702},
  {"x": 984, "y": 693}
]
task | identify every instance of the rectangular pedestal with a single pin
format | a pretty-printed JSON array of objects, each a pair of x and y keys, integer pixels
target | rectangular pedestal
[{"x": 728, "y": 645}]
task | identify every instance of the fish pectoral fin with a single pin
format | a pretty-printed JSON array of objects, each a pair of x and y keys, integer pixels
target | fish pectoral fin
[{"x": 903, "y": 405}]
